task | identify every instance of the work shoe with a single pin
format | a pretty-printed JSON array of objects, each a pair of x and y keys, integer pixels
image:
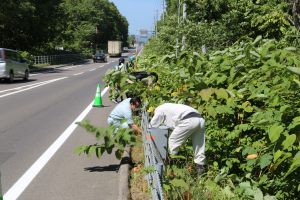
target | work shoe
[{"x": 200, "y": 169}]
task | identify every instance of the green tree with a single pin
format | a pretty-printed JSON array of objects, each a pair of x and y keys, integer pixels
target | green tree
[
  {"x": 91, "y": 23},
  {"x": 28, "y": 24}
]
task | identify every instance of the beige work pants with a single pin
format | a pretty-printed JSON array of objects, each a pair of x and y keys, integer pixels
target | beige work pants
[{"x": 193, "y": 127}]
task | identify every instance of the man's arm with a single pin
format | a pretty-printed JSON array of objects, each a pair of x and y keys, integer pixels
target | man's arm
[
  {"x": 135, "y": 128},
  {"x": 157, "y": 119}
]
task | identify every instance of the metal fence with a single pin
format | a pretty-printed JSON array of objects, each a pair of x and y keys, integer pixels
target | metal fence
[
  {"x": 155, "y": 150},
  {"x": 58, "y": 59}
]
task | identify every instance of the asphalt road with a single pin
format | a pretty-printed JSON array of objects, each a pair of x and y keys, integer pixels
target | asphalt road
[{"x": 37, "y": 126}]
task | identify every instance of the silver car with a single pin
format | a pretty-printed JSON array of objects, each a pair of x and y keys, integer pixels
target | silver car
[{"x": 12, "y": 65}]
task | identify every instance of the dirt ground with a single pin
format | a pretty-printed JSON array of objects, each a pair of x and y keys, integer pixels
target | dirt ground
[{"x": 138, "y": 185}]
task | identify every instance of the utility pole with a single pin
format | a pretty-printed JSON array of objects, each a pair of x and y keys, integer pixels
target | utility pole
[
  {"x": 183, "y": 20},
  {"x": 163, "y": 10},
  {"x": 156, "y": 22},
  {"x": 178, "y": 21}
]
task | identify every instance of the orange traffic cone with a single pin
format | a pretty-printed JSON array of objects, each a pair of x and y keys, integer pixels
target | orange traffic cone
[{"x": 98, "y": 98}]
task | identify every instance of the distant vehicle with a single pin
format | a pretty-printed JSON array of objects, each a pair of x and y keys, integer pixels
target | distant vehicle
[
  {"x": 12, "y": 65},
  {"x": 125, "y": 49},
  {"x": 114, "y": 48},
  {"x": 99, "y": 57}
]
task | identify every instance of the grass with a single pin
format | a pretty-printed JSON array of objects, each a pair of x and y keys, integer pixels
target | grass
[
  {"x": 198, "y": 188},
  {"x": 138, "y": 185}
]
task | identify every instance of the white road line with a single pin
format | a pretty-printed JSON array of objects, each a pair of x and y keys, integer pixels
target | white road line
[
  {"x": 17, "y": 88},
  {"x": 33, "y": 74},
  {"x": 70, "y": 67},
  {"x": 16, "y": 190},
  {"x": 78, "y": 74},
  {"x": 37, "y": 85},
  {"x": 91, "y": 70}
]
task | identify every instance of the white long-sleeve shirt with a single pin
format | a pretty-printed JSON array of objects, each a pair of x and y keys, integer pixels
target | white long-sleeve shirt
[{"x": 170, "y": 114}]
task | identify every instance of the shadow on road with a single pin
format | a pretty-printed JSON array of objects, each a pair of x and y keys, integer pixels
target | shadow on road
[
  {"x": 110, "y": 168},
  {"x": 16, "y": 81}
]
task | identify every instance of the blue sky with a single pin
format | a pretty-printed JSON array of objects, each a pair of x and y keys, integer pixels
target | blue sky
[{"x": 140, "y": 14}]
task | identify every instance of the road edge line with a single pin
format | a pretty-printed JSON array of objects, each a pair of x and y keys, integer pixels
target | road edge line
[{"x": 18, "y": 188}]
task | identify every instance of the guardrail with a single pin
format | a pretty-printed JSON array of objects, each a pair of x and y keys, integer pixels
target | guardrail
[
  {"x": 58, "y": 59},
  {"x": 155, "y": 149}
]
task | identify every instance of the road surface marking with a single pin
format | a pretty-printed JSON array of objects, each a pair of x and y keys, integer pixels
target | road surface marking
[
  {"x": 91, "y": 70},
  {"x": 38, "y": 85},
  {"x": 70, "y": 67},
  {"x": 17, "y": 88},
  {"x": 78, "y": 74},
  {"x": 16, "y": 190}
]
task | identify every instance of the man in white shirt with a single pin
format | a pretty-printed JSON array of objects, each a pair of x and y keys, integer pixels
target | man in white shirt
[
  {"x": 121, "y": 115},
  {"x": 185, "y": 122}
]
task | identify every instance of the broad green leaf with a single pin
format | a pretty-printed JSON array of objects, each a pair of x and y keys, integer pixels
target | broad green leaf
[
  {"x": 268, "y": 197},
  {"x": 206, "y": 94},
  {"x": 166, "y": 187},
  {"x": 91, "y": 150},
  {"x": 245, "y": 185},
  {"x": 79, "y": 150},
  {"x": 289, "y": 140},
  {"x": 258, "y": 195},
  {"x": 99, "y": 151},
  {"x": 263, "y": 179},
  {"x": 180, "y": 183},
  {"x": 211, "y": 111},
  {"x": 277, "y": 155},
  {"x": 279, "y": 161},
  {"x": 295, "y": 164},
  {"x": 119, "y": 154},
  {"x": 261, "y": 96},
  {"x": 297, "y": 81},
  {"x": 256, "y": 41},
  {"x": 296, "y": 119},
  {"x": 274, "y": 132},
  {"x": 227, "y": 191},
  {"x": 265, "y": 160},
  {"x": 296, "y": 70},
  {"x": 297, "y": 157},
  {"x": 255, "y": 54},
  {"x": 249, "y": 150},
  {"x": 182, "y": 73},
  {"x": 221, "y": 93},
  {"x": 247, "y": 106},
  {"x": 290, "y": 48},
  {"x": 240, "y": 57},
  {"x": 244, "y": 127}
]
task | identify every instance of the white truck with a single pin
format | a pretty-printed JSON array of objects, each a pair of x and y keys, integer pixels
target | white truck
[{"x": 114, "y": 48}]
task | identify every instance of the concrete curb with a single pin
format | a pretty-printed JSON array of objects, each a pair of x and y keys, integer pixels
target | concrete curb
[{"x": 124, "y": 175}]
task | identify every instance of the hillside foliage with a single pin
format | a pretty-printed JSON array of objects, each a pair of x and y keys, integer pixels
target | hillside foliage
[
  {"x": 246, "y": 86},
  {"x": 42, "y": 26}
]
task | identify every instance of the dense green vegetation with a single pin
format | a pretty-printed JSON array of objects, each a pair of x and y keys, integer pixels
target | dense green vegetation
[
  {"x": 76, "y": 25},
  {"x": 247, "y": 87}
]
